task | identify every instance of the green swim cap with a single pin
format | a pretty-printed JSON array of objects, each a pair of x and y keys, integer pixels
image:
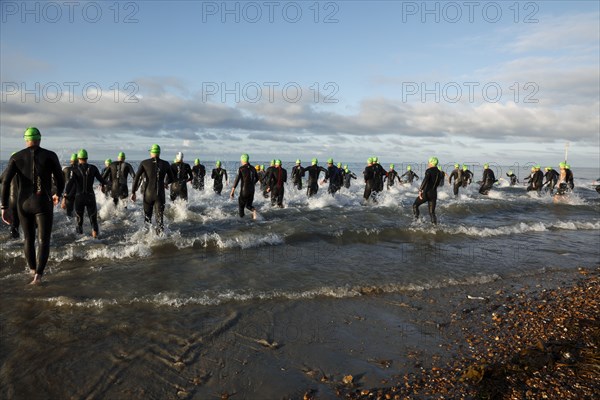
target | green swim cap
[
  {"x": 562, "y": 164},
  {"x": 277, "y": 162},
  {"x": 196, "y": 161},
  {"x": 108, "y": 161},
  {"x": 510, "y": 172},
  {"x": 298, "y": 161},
  {"x": 486, "y": 166},
  {"x": 345, "y": 166},
  {"x": 434, "y": 161},
  {"x": 82, "y": 154},
  {"x": 408, "y": 168},
  {"x": 456, "y": 166},
  {"x": 155, "y": 149},
  {"x": 32, "y": 133},
  {"x": 440, "y": 168},
  {"x": 74, "y": 157},
  {"x": 272, "y": 162},
  {"x": 391, "y": 166},
  {"x": 370, "y": 160},
  {"x": 567, "y": 166},
  {"x": 339, "y": 165},
  {"x": 346, "y": 170},
  {"x": 465, "y": 167},
  {"x": 537, "y": 166},
  {"x": 218, "y": 163},
  {"x": 262, "y": 167},
  {"x": 330, "y": 161},
  {"x": 314, "y": 161},
  {"x": 547, "y": 168},
  {"x": 121, "y": 156},
  {"x": 244, "y": 158},
  {"x": 375, "y": 159}
]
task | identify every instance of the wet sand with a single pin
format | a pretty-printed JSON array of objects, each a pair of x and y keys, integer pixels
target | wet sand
[{"x": 415, "y": 344}]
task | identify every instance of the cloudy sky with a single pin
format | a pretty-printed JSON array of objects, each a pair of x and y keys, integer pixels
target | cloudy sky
[{"x": 467, "y": 81}]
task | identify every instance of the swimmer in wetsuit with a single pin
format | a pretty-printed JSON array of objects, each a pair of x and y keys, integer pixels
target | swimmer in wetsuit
[
  {"x": 217, "y": 175},
  {"x": 466, "y": 176},
  {"x": 380, "y": 174},
  {"x": 513, "y": 178},
  {"x": 248, "y": 177},
  {"x": 551, "y": 177},
  {"x": 275, "y": 180},
  {"x": 157, "y": 175},
  {"x": 369, "y": 177},
  {"x": 348, "y": 175},
  {"x": 183, "y": 174},
  {"x": 456, "y": 174},
  {"x": 116, "y": 175},
  {"x": 298, "y": 174},
  {"x": 536, "y": 182},
  {"x": 36, "y": 168},
  {"x": 410, "y": 175},
  {"x": 488, "y": 180},
  {"x": 12, "y": 203},
  {"x": 428, "y": 190},
  {"x": 198, "y": 174},
  {"x": 391, "y": 176},
  {"x": 69, "y": 198},
  {"x": 313, "y": 177},
  {"x": 83, "y": 180},
  {"x": 106, "y": 189},
  {"x": 334, "y": 176},
  {"x": 570, "y": 182}
]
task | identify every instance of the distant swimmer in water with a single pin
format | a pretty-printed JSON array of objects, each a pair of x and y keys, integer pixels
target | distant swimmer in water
[
  {"x": 116, "y": 174},
  {"x": 157, "y": 175},
  {"x": 298, "y": 174},
  {"x": 551, "y": 177},
  {"x": 428, "y": 190},
  {"x": 348, "y": 176},
  {"x": 276, "y": 178},
  {"x": 265, "y": 186},
  {"x": 182, "y": 172},
  {"x": 488, "y": 180},
  {"x": 106, "y": 188},
  {"x": 36, "y": 168},
  {"x": 391, "y": 176},
  {"x": 69, "y": 198},
  {"x": 565, "y": 179},
  {"x": 512, "y": 177},
  {"x": 369, "y": 177},
  {"x": 85, "y": 199},
  {"x": 247, "y": 177},
  {"x": 456, "y": 174},
  {"x": 12, "y": 203},
  {"x": 410, "y": 175},
  {"x": 217, "y": 175},
  {"x": 198, "y": 173},
  {"x": 466, "y": 176},
  {"x": 261, "y": 179},
  {"x": 312, "y": 185}
]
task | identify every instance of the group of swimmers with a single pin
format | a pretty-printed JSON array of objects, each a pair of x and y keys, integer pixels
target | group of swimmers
[{"x": 33, "y": 183}]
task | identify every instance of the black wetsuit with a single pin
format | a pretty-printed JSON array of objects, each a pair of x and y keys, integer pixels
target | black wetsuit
[
  {"x": 313, "y": 179},
  {"x": 428, "y": 191},
  {"x": 334, "y": 176},
  {"x": 513, "y": 179},
  {"x": 83, "y": 180},
  {"x": 217, "y": 175},
  {"x": 369, "y": 175},
  {"x": 116, "y": 175},
  {"x": 570, "y": 182},
  {"x": 379, "y": 175},
  {"x": 297, "y": 175},
  {"x": 598, "y": 186},
  {"x": 410, "y": 176},
  {"x": 276, "y": 178},
  {"x": 536, "y": 182},
  {"x": 487, "y": 181},
  {"x": 551, "y": 180},
  {"x": 69, "y": 197},
  {"x": 12, "y": 204},
  {"x": 390, "y": 177},
  {"x": 248, "y": 177},
  {"x": 457, "y": 175},
  {"x": 183, "y": 174},
  {"x": 157, "y": 173},
  {"x": 198, "y": 173},
  {"x": 35, "y": 168},
  {"x": 347, "y": 177},
  {"x": 466, "y": 178},
  {"x": 265, "y": 182},
  {"x": 106, "y": 189},
  {"x": 444, "y": 178}
]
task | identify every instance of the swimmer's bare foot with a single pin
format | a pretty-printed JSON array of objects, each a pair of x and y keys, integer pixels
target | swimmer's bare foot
[
  {"x": 94, "y": 234},
  {"x": 37, "y": 280},
  {"x": 253, "y": 214}
]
